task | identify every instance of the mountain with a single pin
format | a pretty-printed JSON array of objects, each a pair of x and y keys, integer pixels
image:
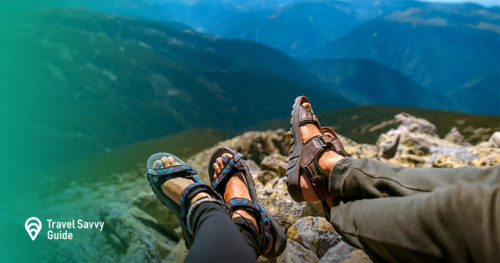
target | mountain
[
  {"x": 370, "y": 82},
  {"x": 299, "y": 29},
  {"x": 84, "y": 82},
  {"x": 441, "y": 47},
  {"x": 480, "y": 96},
  {"x": 198, "y": 14}
]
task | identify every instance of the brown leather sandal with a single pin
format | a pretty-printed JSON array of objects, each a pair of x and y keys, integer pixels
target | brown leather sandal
[{"x": 304, "y": 157}]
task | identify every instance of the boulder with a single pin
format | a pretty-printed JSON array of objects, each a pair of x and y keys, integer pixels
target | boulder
[
  {"x": 314, "y": 233},
  {"x": 296, "y": 253},
  {"x": 454, "y": 136},
  {"x": 137, "y": 231},
  {"x": 343, "y": 252}
]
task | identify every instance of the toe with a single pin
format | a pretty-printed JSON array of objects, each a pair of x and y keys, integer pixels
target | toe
[
  {"x": 220, "y": 163},
  {"x": 158, "y": 164},
  {"x": 226, "y": 157},
  {"x": 164, "y": 161},
  {"x": 171, "y": 160},
  {"x": 308, "y": 106},
  {"x": 216, "y": 170}
]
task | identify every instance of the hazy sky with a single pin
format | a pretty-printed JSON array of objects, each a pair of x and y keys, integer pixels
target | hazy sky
[{"x": 483, "y": 2}]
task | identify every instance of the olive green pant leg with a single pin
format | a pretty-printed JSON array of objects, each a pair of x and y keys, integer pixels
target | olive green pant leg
[
  {"x": 456, "y": 223},
  {"x": 366, "y": 178},
  {"x": 427, "y": 214}
]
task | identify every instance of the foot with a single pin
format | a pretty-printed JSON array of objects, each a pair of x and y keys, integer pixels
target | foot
[
  {"x": 174, "y": 187},
  {"x": 326, "y": 160},
  {"x": 235, "y": 188}
]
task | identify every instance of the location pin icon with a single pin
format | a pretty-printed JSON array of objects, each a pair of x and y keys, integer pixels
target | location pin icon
[{"x": 33, "y": 227}]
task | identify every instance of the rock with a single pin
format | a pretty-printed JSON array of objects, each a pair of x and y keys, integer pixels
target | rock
[
  {"x": 296, "y": 253},
  {"x": 136, "y": 229},
  {"x": 314, "y": 233},
  {"x": 178, "y": 254},
  {"x": 494, "y": 140},
  {"x": 343, "y": 252},
  {"x": 276, "y": 163},
  {"x": 456, "y": 137},
  {"x": 410, "y": 123},
  {"x": 151, "y": 204},
  {"x": 281, "y": 205},
  {"x": 389, "y": 149},
  {"x": 356, "y": 150}
]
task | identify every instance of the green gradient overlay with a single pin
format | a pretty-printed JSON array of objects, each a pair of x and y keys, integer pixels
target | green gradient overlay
[{"x": 28, "y": 151}]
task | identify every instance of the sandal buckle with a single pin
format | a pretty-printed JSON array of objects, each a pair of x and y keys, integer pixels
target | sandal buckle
[{"x": 322, "y": 142}]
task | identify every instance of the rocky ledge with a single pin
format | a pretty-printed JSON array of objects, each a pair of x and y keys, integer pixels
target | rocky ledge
[{"x": 140, "y": 229}]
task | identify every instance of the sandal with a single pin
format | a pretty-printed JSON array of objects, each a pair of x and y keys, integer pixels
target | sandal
[
  {"x": 158, "y": 176},
  {"x": 272, "y": 235},
  {"x": 304, "y": 157}
]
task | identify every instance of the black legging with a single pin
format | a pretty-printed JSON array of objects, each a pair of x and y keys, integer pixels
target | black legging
[{"x": 218, "y": 238}]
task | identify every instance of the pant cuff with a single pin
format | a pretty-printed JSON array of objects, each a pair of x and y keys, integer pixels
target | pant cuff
[{"x": 337, "y": 176}]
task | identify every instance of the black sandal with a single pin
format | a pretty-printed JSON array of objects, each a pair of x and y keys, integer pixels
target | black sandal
[
  {"x": 273, "y": 234},
  {"x": 157, "y": 176}
]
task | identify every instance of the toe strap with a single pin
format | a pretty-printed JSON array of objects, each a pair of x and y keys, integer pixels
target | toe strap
[
  {"x": 161, "y": 175},
  {"x": 235, "y": 164}
]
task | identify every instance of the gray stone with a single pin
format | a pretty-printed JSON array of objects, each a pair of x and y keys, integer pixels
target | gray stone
[
  {"x": 314, "y": 233},
  {"x": 296, "y": 253},
  {"x": 343, "y": 252}
]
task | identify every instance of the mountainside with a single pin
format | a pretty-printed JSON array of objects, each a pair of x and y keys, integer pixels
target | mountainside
[
  {"x": 480, "y": 96},
  {"x": 123, "y": 80},
  {"x": 298, "y": 29},
  {"x": 372, "y": 83},
  {"x": 441, "y": 47},
  {"x": 140, "y": 228}
]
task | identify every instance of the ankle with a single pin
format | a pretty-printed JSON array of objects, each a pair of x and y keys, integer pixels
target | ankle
[
  {"x": 328, "y": 160},
  {"x": 243, "y": 213},
  {"x": 199, "y": 196}
]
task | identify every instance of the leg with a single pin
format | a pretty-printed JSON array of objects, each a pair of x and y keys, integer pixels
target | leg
[
  {"x": 217, "y": 238},
  {"x": 366, "y": 178},
  {"x": 455, "y": 223}
]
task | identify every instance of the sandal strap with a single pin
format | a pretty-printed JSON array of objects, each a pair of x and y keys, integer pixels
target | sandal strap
[
  {"x": 190, "y": 191},
  {"x": 311, "y": 151},
  {"x": 337, "y": 144},
  {"x": 235, "y": 164},
  {"x": 306, "y": 116},
  {"x": 161, "y": 175},
  {"x": 261, "y": 217}
]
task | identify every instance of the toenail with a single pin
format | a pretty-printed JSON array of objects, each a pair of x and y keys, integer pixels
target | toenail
[
  {"x": 224, "y": 158},
  {"x": 218, "y": 159},
  {"x": 215, "y": 165},
  {"x": 158, "y": 164}
]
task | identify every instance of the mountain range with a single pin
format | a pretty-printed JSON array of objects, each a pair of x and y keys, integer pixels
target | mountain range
[
  {"x": 441, "y": 47},
  {"x": 125, "y": 79}
]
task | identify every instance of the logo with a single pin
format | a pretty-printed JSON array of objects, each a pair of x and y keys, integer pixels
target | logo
[{"x": 33, "y": 227}]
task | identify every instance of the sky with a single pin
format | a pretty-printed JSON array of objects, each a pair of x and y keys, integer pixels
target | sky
[{"x": 482, "y": 2}]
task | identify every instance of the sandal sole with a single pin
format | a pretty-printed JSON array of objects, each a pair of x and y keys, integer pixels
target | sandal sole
[{"x": 293, "y": 169}]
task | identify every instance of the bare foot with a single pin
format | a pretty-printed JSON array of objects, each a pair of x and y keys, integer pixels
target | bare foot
[
  {"x": 174, "y": 187},
  {"x": 327, "y": 160}
]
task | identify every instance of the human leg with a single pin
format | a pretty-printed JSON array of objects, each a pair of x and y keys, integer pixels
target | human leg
[
  {"x": 455, "y": 223},
  {"x": 366, "y": 178}
]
